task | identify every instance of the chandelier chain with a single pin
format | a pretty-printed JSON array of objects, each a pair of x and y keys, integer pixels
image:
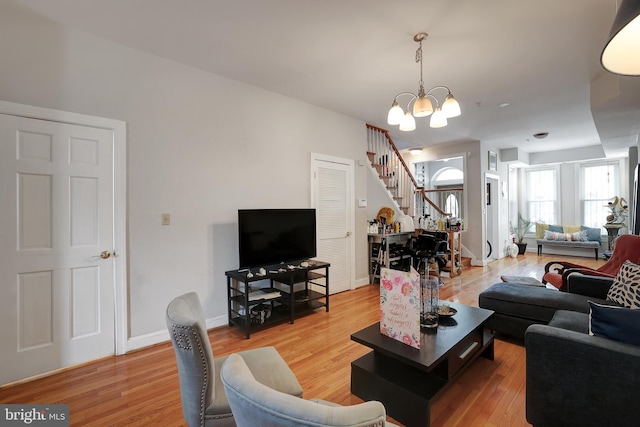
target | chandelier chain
[{"x": 419, "y": 59}]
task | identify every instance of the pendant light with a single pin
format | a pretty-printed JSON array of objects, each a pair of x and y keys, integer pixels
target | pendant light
[
  {"x": 423, "y": 102},
  {"x": 621, "y": 54}
]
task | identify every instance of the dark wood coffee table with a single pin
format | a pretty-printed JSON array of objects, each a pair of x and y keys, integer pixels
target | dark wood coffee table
[{"x": 406, "y": 379}]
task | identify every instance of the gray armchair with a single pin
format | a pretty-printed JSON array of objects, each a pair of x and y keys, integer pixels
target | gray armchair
[
  {"x": 204, "y": 402},
  {"x": 254, "y": 404},
  {"x": 574, "y": 379}
]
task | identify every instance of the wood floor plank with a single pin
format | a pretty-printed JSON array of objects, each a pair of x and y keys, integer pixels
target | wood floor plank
[{"x": 142, "y": 388}]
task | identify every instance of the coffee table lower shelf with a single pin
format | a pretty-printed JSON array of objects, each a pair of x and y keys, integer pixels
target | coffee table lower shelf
[{"x": 405, "y": 391}]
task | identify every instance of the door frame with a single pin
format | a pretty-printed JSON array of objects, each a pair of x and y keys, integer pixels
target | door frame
[
  {"x": 119, "y": 243},
  {"x": 492, "y": 217},
  {"x": 351, "y": 247}
]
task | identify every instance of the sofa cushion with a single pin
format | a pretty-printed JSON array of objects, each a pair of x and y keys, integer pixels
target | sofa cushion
[
  {"x": 540, "y": 229},
  {"x": 625, "y": 289},
  {"x": 571, "y": 320},
  {"x": 571, "y": 244},
  {"x": 531, "y": 302},
  {"x": 593, "y": 234},
  {"x": 615, "y": 323},
  {"x": 571, "y": 228}
]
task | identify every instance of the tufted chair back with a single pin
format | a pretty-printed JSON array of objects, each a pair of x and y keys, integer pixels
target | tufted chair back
[{"x": 196, "y": 367}]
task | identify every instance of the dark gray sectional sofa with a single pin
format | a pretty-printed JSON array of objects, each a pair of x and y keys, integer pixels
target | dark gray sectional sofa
[
  {"x": 573, "y": 378},
  {"x": 517, "y": 306}
]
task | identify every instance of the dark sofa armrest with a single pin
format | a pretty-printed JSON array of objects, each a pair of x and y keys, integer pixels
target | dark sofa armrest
[
  {"x": 574, "y": 379},
  {"x": 588, "y": 285}
]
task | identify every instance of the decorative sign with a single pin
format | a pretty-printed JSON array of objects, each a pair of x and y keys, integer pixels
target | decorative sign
[{"x": 400, "y": 305}]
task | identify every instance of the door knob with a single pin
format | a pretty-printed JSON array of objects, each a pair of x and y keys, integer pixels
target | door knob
[{"x": 103, "y": 255}]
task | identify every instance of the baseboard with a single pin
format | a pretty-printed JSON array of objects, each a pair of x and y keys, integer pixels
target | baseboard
[
  {"x": 153, "y": 338},
  {"x": 362, "y": 282}
]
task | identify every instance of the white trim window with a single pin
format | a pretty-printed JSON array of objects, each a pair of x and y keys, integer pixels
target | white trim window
[
  {"x": 599, "y": 184},
  {"x": 541, "y": 195}
]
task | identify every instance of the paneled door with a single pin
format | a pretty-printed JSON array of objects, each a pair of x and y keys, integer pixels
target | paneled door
[
  {"x": 56, "y": 243},
  {"x": 332, "y": 194}
]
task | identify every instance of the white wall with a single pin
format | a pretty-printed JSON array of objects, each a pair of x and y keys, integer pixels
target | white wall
[{"x": 199, "y": 147}]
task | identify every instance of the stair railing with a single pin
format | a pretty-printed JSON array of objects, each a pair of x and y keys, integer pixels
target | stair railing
[{"x": 410, "y": 197}]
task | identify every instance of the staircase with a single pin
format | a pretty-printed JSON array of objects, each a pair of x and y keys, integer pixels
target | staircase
[{"x": 408, "y": 195}]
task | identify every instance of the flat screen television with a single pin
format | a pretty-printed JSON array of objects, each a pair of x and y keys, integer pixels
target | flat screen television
[{"x": 274, "y": 236}]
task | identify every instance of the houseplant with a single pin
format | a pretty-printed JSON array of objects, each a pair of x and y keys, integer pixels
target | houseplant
[{"x": 519, "y": 231}]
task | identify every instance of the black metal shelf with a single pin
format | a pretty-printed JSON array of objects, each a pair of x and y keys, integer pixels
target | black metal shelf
[{"x": 284, "y": 307}]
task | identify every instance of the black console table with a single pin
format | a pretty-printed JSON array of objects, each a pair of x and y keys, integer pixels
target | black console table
[{"x": 283, "y": 278}]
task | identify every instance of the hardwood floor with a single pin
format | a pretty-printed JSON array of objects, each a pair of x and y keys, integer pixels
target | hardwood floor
[{"x": 141, "y": 388}]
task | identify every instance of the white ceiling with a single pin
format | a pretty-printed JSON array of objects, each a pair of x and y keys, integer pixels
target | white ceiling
[{"x": 354, "y": 56}]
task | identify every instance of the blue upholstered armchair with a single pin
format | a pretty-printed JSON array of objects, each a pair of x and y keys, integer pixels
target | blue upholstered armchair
[
  {"x": 255, "y": 404},
  {"x": 204, "y": 402}
]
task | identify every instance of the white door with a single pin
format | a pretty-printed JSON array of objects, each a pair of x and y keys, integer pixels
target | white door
[
  {"x": 492, "y": 218},
  {"x": 56, "y": 218},
  {"x": 332, "y": 196}
]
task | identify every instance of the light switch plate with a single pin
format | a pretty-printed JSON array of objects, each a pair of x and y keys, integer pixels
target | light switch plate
[{"x": 165, "y": 219}]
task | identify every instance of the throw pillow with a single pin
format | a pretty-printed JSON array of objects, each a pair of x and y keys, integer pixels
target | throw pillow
[
  {"x": 540, "y": 229},
  {"x": 579, "y": 236},
  {"x": 625, "y": 289},
  {"x": 554, "y": 235},
  {"x": 556, "y": 228},
  {"x": 571, "y": 228},
  {"x": 614, "y": 323},
  {"x": 593, "y": 234}
]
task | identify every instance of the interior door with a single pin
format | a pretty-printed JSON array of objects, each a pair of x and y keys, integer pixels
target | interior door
[
  {"x": 492, "y": 217},
  {"x": 332, "y": 196},
  {"x": 56, "y": 238}
]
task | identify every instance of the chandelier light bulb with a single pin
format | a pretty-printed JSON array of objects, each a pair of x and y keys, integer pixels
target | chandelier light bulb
[
  {"x": 395, "y": 114},
  {"x": 408, "y": 123},
  {"x": 450, "y": 107},
  {"x": 438, "y": 119},
  {"x": 422, "y": 107}
]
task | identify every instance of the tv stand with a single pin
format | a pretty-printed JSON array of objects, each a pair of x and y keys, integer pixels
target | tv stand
[{"x": 311, "y": 293}]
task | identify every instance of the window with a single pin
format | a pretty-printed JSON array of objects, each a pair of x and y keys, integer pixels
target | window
[
  {"x": 451, "y": 206},
  {"x": 599, "y": 186},
  {"x": 541, "y": 195},
  {"x": 449, "y": 175}
]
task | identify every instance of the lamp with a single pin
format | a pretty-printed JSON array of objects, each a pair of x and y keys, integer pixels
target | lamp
[
  {"x": 422, "y": 102},
  {"x": 621, "y": 54}
]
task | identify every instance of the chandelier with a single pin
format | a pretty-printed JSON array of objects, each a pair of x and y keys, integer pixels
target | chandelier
[{"x": 422, "y": 102}]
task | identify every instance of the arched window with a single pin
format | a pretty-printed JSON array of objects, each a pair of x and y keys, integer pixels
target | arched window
[
  {"x": 451, "y": 206},
  {"x": 447, "y": 178},
  {"x": 450, "y": 175}
]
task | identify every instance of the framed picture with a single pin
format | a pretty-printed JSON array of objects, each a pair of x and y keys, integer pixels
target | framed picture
[{"x": 493, "y": 161}]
